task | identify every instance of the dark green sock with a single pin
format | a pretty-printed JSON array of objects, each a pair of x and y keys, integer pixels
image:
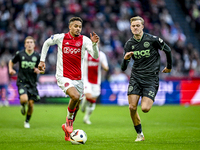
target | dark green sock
[
  {"x": 138, "y": 128},
  {"x": 28, "y": 118}
]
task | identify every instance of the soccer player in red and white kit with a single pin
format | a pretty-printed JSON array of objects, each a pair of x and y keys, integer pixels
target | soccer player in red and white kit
[
  {"x": 92, "y": 81},
  {"x": 69, "y": 69}
]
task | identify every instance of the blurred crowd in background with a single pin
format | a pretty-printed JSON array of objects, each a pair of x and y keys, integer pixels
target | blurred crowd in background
[
  {"x": 109, "y": 19},
  {"x": 192, "y": 10}
]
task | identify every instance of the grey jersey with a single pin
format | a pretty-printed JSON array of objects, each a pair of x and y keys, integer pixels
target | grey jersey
[
  {"x": 27, "y": 63},
  {"x": 146, "y": 56}
]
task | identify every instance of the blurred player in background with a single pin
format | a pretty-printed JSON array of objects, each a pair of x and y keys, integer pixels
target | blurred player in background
[
  {"x": 4, "y": 81},
  {"x": 92, "y": 81},
  {"x": 144, "y": 81},
  {"x": 69, "y": 69},
  {"x": 28, "y": 61}
]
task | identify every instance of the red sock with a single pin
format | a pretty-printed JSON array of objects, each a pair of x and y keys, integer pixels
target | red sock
[
  {"x": 71, "y": 110},
  {"x": 91, "y": 100}
]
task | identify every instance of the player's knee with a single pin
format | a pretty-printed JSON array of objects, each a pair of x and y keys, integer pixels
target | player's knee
[
  {"x": 23, "y": 99},
  {"x": 145, "y": 109},
  {"x": 75, "y": 97},
  {"x": 89, "y": 96},
  {"x": 132, "y": 107}
]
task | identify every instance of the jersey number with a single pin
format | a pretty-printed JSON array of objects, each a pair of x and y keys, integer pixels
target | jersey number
[{"x": 151, "y": 94}]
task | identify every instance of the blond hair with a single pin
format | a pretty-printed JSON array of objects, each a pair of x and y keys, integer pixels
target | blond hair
[
  {"x": 137, "y": 18},
  {"x": 29, "y": 37}
]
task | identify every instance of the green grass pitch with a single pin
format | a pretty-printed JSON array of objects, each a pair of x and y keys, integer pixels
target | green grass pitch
[{"x": 168, "y": 127}]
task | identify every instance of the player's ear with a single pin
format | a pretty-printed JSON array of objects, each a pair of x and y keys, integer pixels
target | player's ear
[{"x": 70, "y": 25}]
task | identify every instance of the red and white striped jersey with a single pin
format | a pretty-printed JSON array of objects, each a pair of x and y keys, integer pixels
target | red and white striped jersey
[
  {"x": 71, "y": 51},
  {"x": 92, "y": 68}
]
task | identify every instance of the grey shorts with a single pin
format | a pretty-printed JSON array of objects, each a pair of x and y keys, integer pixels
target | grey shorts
[
  {"x": 148, "y": 88},
  {"x": 32, "y": 92}
]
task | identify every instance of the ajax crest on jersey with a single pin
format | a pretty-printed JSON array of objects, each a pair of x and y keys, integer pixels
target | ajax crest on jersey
[{"x": 78, "y": 136}]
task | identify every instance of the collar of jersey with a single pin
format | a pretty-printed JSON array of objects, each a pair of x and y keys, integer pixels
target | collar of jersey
[
  {"x": 28, "y": 53},
  {"x": 139, "y": 39}
]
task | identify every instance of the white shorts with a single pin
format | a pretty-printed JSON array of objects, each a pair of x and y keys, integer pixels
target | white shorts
[
  {"x": 93, "y": 89},
  {"x": 66, "y": 83}
]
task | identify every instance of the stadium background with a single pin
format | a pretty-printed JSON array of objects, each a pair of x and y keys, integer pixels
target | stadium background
[{"x": 176, "y": 21}]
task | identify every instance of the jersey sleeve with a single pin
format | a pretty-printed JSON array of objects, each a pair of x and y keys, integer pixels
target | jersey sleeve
[
  {"x": 103, "y": 59},
  {"x": 125, "y": 63},
  {"x": 91, "y": 47},
  {"x": 38, "y": 60},
  {"x": 160, "y": 44},
  {"x": 126, "y": 48},
  {"x": 53, "y": 40},
  {"x": 16, "y": 57}
]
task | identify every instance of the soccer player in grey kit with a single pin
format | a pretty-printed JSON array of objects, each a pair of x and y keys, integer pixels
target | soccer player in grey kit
[
  {"x": 28, "y": 60},
  {"x": 144, "y": 81}
]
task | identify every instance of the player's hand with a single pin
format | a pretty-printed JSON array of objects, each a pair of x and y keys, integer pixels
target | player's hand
[
  {"x": 42, "y": 66},
  {"x": 165, "y": 70},
  {"x": 12, "y": 71},
  {"x": 37, "y": 71},
  {"x": 128, "y": 55},
  {"x": 94, "y": 38}
]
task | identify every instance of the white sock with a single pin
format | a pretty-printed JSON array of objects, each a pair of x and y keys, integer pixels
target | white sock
[
  {"x": 142, "y": 134},
  {"x": 83, "y": 104},
  {"x": 89, "y": 109}
]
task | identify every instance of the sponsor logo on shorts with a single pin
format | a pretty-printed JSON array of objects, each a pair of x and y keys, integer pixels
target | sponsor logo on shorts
[
  {"x": 66, "y": 84},
  {"x": 130, "y": 88},
  {"x": 38, "y": 97},
  {"x": 21, "y": 91}
]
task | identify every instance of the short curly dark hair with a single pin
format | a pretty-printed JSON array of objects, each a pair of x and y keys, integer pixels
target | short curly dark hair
[{"x": 75, "y": 19}]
